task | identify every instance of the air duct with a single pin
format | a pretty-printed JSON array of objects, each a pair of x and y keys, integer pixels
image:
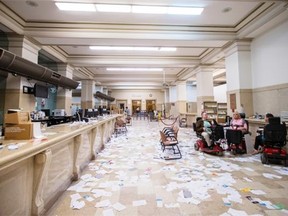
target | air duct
[
  {"x": 104, "y": 96},
  {"x": 22, "y": 67}
]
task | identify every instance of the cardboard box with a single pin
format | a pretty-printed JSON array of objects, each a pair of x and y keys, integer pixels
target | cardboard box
[
  {"x": 17, "y": 118},
  {"x": 19, "y": 131}
]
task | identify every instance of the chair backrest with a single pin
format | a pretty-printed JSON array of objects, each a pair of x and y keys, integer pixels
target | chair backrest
[
  {"x": 275, "y": 132},
  {"x": 217, "y": 132},
  {"x": 163, "y": 136},
  {"x": 274, "y": 120},
  {"x": 234, "y": 136}
]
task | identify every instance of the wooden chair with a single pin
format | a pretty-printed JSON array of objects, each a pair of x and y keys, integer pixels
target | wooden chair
[
  {"x": 120, "y": 127},
  {"x": 172, "y": 143}
]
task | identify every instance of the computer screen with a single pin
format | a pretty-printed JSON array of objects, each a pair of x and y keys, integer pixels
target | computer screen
[
  {"x": 40, "y": 91},
  {"x": 46, "y": 111}
]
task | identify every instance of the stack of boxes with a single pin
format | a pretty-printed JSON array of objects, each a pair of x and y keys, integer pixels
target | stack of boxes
[{"x": 18, "y": 126}]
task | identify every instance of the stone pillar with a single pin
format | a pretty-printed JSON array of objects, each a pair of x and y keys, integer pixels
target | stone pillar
[
  {"x": 64, "y": 96},
  {"x": 87, "y": 94},
  {"x": 204, "y": 80},
  {"x": 22, "y": 47},
  {"x": 239, "y": 77},
  {"x": 181, "y": 97}
]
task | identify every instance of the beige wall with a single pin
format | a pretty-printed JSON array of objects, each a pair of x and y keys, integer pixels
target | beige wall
[
  {"x": 273, "y": 99},
  {"x": 243, "y": 96},
  {"x": 142, "y": 95}
]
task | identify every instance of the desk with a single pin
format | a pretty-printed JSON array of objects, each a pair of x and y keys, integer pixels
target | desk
[{"x": 35, "y": 175}]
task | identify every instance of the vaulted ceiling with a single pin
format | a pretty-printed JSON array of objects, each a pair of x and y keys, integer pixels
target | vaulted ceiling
[{"x": 200, "y": 40}]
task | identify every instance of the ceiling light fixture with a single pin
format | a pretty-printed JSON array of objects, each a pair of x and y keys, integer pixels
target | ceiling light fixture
[
  {"x": 75, "y": 6},
  {"x": 134, "y": 69},
  {"x": 113, "y": 8},
  {"x": 130, "y": 8},
  {"x": 126, "y": 48}
]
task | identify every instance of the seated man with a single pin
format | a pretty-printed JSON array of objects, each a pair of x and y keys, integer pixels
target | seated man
[
  {"x": 259, "y": 140},
  {"x": 203, "y": 126}
]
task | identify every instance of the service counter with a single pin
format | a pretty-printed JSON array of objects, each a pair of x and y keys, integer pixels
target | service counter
[
  {"x": 33, "y": 176},
  {"x": 191, "y": 117}
]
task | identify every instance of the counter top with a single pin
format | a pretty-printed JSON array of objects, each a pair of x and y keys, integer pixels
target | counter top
[{"x": 51, "y": 136}]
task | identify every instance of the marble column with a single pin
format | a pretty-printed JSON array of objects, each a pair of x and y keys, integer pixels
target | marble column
[
  {"x": 24, "y": 48},
  {"x": 64, "y": 96},
  {"x": 239, "y": 77},
  {"x": 204, "y": 80},
  {"x": 181, "y": 97},
  {"x": 87, "y": 94}
]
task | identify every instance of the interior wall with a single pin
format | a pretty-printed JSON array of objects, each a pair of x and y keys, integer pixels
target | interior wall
[
  {"x": 269, "y": 67},
  {"x": 269, "y": 57},
  {"x": 220, "y": 93},
  {"x": 142, "y": 95}
]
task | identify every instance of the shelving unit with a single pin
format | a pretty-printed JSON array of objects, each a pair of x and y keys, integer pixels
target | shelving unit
[
  {"x": 211, "y": 109},
  {"x": 221, "y": 112}
]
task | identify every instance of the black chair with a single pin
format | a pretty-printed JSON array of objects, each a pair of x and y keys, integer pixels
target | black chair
[
  {"x": 275, "y": 133},
  {"x": 274, "y": 140}
]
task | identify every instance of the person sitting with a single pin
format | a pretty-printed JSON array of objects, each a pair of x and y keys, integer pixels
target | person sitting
[
  {"x": 203, "y": 126},
  {"x": 259, "y": 139},
  {"x": 238, "y": 123}
]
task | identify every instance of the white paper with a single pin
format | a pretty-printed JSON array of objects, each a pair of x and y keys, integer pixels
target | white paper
[
  {"x": 118, "y": 206},
  {"x": 103, "y": 204},
  {"x": 139, "y": 203},
  {"x": 257, "y": 192},
  {"x": 76, "y": 204},
  {"x": 108, "y": 212},
  {"x": 271, "y": 176}
]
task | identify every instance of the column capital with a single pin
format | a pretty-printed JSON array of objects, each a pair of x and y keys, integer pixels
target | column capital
[
  {"x": 204, "y": 68},
  {"x": 241, "y": 45}
]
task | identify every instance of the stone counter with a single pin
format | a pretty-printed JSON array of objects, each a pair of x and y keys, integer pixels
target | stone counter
[{"x": 33, "y": 176}]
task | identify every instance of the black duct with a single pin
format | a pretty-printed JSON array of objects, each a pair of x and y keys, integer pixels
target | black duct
[
  {"x": 20, "y": 66},
  {"x": 104, "y": 96}
]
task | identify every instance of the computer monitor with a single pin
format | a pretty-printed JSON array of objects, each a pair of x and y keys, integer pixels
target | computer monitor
[
  {"x": 46, "y": 111},
  {"x": 89, "y": 113},
  {"x": 96, "y": 112}
]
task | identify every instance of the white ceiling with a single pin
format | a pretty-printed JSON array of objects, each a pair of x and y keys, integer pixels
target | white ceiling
[{"x": 200, "y": 40}]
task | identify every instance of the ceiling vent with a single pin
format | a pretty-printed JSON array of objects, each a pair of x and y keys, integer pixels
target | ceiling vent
[{"x": 22, "y": 67}]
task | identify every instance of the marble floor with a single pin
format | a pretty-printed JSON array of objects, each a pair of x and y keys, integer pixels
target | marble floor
[{"x": 131, "y": 178}]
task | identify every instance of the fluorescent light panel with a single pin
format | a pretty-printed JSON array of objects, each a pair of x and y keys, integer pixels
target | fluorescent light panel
[
  {"x": 123, "y": 48},
  {"x": 129, "y": 8},
  {"x": 75, "y": 6},
  {"x": 134, "y": 69},
  {"x": 113, "y": 8}
]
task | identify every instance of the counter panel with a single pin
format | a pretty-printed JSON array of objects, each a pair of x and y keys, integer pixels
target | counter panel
[{"x": 35, "y": 175}]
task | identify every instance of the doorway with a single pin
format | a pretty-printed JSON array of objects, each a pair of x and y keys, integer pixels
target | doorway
[
  {"x": 135, "y": 104},
  {"x": 150, "y": 105}
]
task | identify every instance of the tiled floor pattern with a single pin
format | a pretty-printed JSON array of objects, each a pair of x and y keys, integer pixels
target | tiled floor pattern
[{"x": 129, "y": 178}]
